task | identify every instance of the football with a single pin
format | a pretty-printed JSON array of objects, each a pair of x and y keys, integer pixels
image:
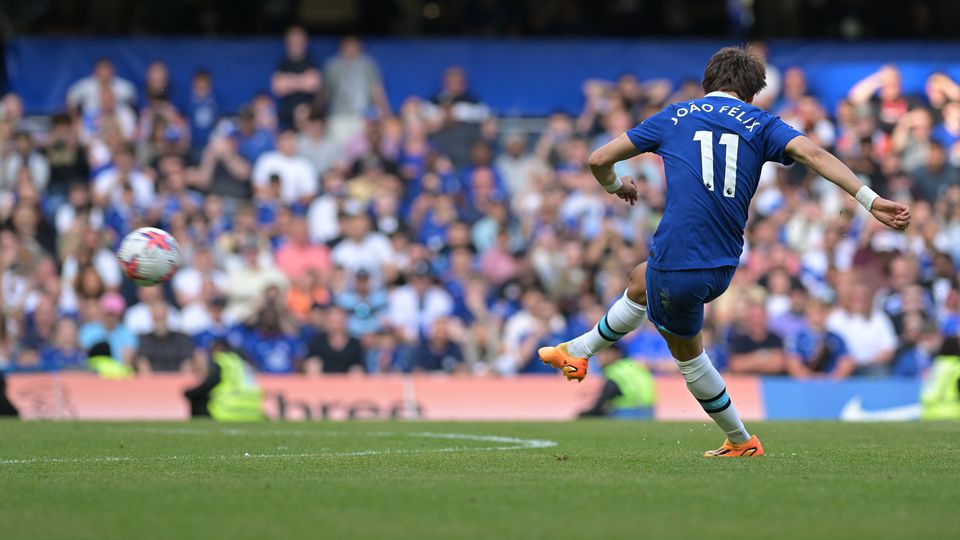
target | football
[{"x": 149, "y": 256}]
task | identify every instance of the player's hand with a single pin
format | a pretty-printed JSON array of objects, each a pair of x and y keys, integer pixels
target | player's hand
[
  {"x": 629, "y": 192},
  {"x": 892, "y": 214}
]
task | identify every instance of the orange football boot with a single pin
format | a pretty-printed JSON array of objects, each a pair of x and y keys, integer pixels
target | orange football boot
[
  {"x": 750, "y": 448},
  {"x": 573, "y": 368}
]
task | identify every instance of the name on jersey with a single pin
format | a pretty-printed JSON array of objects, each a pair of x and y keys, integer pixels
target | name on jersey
[{"x": 734, "y": 112}]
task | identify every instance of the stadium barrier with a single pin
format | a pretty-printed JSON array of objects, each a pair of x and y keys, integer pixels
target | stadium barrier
[
  {"x": 84, "y": 396},
  {"x": 520, "y": 78}
]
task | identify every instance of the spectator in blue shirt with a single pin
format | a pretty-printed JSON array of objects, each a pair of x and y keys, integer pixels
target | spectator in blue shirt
[
  {"x": 110, "y": 329},
  {"x": 202, "y": 112},
  {"x": 439, "y": 351},
  {"x": 268, "y": 345},
  {"x": 817, "y": 352},
  {"x": 64, "y": 353},
  {"x": 948, "y": 133},
  {"x": 366, "y": 305}
]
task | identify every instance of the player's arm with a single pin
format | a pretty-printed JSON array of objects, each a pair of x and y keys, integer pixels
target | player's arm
[
  {"x": 805, "y": 151},
  {"x": 601, "y": 164}
]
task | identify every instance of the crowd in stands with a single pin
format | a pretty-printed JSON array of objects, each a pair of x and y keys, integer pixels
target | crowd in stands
[{"x": 323, "y": 232}]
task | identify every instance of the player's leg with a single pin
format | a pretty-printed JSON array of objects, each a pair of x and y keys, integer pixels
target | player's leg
[
  {"x": 623, "y": 317},
  {"x": 676, "y": 309}
]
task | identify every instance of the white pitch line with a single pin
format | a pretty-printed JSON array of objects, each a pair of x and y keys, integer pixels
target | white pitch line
[{"x": 514, "y": 443}]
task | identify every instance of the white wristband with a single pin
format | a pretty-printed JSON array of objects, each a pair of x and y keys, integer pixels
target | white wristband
[
  {"x": 614, "y": 187},
  {"x": 865, "y": 196}
]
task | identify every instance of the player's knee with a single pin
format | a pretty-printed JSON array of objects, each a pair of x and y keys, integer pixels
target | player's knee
[{"x": 637, "y": 285}]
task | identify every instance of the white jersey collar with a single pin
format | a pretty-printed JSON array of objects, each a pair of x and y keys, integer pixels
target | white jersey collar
[{"x": 723, "y": 94}]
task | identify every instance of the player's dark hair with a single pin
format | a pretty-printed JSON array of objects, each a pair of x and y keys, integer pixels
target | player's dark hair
[{"x": 734, "y": 69}]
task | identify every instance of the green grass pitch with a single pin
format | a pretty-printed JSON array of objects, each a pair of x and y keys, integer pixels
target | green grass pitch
[{"x": 423, "y": 480}]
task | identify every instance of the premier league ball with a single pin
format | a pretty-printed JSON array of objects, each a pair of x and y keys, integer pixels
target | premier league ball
[{"x": 149, "y": 256}]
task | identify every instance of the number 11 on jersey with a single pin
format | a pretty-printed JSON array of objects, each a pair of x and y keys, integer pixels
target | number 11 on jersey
[{"x": 732, "y": 142}]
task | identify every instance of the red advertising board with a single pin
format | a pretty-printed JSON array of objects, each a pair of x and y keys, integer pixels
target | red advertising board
[{"x": 85, "y": 396}]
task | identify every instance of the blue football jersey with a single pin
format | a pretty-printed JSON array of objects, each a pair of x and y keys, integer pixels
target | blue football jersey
[{"x": 712, "y": 150}]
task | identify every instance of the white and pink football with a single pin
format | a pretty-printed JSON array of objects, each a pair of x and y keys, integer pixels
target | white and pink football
[{"x": 149, "y": 256}]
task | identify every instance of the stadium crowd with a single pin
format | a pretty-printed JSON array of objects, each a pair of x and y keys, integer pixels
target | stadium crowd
[{"x": 323, "y": 232}]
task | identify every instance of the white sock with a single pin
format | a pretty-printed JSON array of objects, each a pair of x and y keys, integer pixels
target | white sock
[
  {"x": 623, "y": 317},
  {"x": 706, "y": 384}
]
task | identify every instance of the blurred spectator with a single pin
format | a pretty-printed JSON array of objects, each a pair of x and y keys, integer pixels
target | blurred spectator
[
  {"x": 162, "y": 349},
  {"x": 753, "y": 348},
  {"x": 414, "y": 307},
  {"x": 139, "y": 318},
  {"x": 335, "y": 350},
  {"x": 903, "y": 295},
  {"x": 203, "y": 111},
  {"x": 815, "y": 351},
  {"x": 455, "y": 96},
  {"x": 883, "y": 93},
  {"x": 365, "y": 304},
  {"x": 933, "y": 179},
  {"x": 25, "y": 160},
  {"x": 268, "y": 339},
  {"x": 66, "y": 157},
  {"x": 912, "y": 139},
  {"x": 298, "y": 178},
  {"x": 353, "y": 86},
  {"x": 224, "y": 171},
  {"x": 788, "y": 324},
  {"x": 107, "y": 117},
  {"x": 361, "y": 248},
  {"x": 85, "y": 94},
  {"x": 947, "y": 133},
  {"x": 918, "y": 342},
  {"x": 297, "y": 255},
  {"x": 304, "y": 293},
  {"x": 314, "y": 144},
  {"x": 296, "y": 80},
  {"x": 524, "y": 330},
  {"x": 84, "y": 248},
  {"x": 247, "y": 280},
  {"x": 868, "y": 333},
  {"x": 188, "y": 281},
  {"x": 108, "y": 185},
  {"x": 517, "y": 165},
  {"x": 62, "y": 353},
  {"x": 109, "y": 329},
  {"x": 439, "y": 351},
  {"x": 217, "y": 329}
]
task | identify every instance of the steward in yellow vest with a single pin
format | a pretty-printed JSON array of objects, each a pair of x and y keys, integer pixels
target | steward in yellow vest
[
  {"x": 230, "y": 392},
  {"x": 101, "y": 361},
  {"x": 940, "y": 396},
  {"x": 629, "y": 391}
]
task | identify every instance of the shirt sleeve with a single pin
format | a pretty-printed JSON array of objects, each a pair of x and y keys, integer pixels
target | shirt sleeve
[
  {"x": 840, "y": 347},
  {"x": 776, "y": 136},
  {"x": 648, "y": 135}
]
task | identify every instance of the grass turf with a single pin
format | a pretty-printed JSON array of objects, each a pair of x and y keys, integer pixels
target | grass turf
[{"x": 603, "y": 479}]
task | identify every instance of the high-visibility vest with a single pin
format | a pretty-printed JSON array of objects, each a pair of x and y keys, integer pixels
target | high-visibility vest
[
  {"x": 108, "y": 368},
  {"x": 237, "y": 398},
  {"x": 636, "y": 385},
  {"x": 941, "y": 394}
]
